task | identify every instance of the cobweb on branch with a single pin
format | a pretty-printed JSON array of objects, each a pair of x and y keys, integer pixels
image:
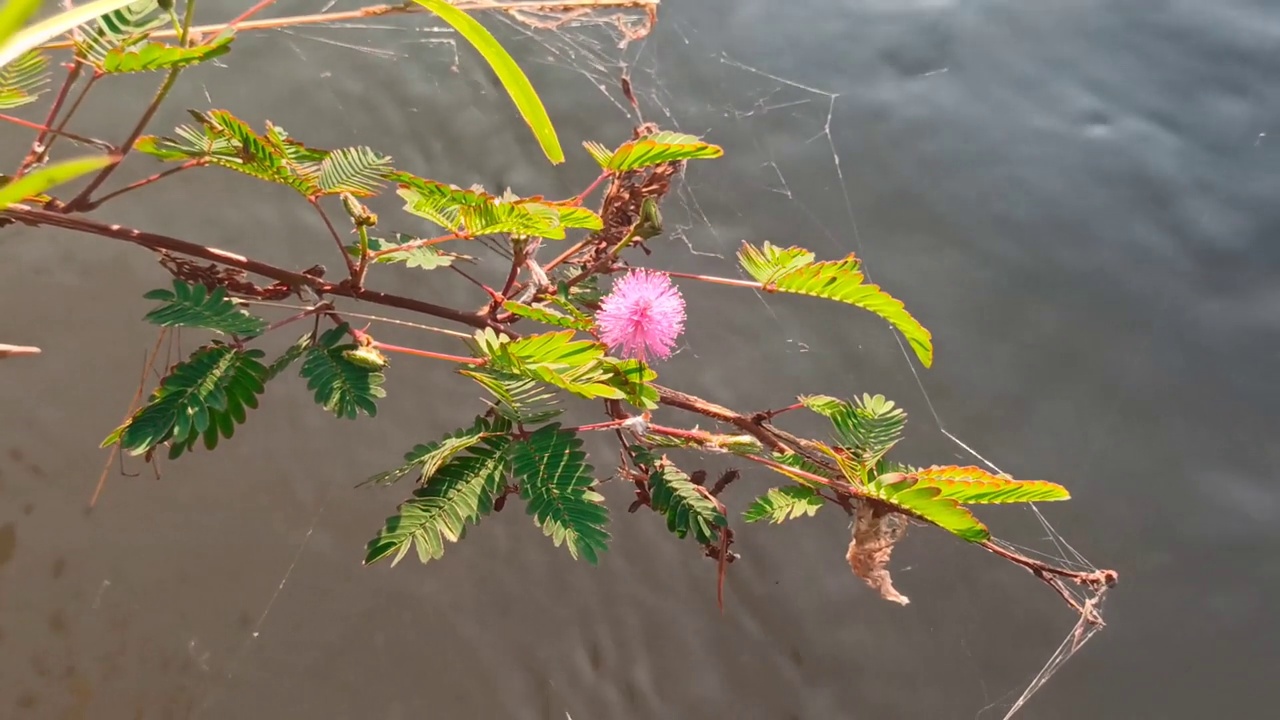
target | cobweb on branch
[{"x": 611, "y": 50}]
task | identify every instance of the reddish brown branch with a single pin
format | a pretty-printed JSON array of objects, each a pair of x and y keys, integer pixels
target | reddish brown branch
[{"x": 153, "y": 241}]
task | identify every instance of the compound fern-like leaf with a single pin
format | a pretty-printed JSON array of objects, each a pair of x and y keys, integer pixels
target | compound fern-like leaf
[
  {"x": 21, "y": 80},
  {"x": 459, "y": 493},
  {"x": 973, "y": 485},
  {"x": 289, "y": 357},
  {"x": 190, "y": 305},
  {"x": 685, "y": 505},
  {"x": 341, "y": 386},
  {"x": 927, "y": 502},
  {"x": 867, "y": 429},
  {"x": 520, "y": 400},
  {"x": 355, "y": 170},
  {"x": 430, "y": 457},
  {"x": 793, "y": 270},
  {"x": 546, "y": 315},
  {"x": 661, "y": 147},
  {"x": 222, "y": 139},
  {"x": 151, "y": 56},
  {"x": 207, "y": 395},
  {"x": 118, "y": 29},
  {"x": 555, "y": 481},
  {"x": 784, "y": 503}
]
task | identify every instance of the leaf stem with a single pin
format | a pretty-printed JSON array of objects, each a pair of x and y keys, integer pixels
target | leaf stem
[
  {"x": 715, "y": 280},
  {"x": 37, "y": 145},
  {"x": 71, "y": 111},
  {"x": 371, "y": 11},
  {"x": 95, "y": 204},
  {"x": 103, "y": 144},
  {"x": 417, "y": 244},
  {"x": 352, "y": 271},
  {"x": 387, "y": 347},
  {"x": 236, "y": 23},
  {"x": 577, "y": 200}
]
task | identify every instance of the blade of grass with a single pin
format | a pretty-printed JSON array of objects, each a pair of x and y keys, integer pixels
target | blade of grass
[
  {"x": 29, "y": 38},
  {"x": 508, "y": 72},
  {"x": 36, "y": 182}
]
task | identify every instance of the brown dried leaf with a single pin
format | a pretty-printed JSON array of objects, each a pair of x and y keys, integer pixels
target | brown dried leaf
[{"x": 874, "y": 535}]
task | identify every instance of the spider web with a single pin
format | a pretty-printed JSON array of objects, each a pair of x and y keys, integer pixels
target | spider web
[{"x": 610, "y": 50}]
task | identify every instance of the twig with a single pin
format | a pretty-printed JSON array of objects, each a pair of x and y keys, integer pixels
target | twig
[
  {"x": 81, "y": 201},
  {"x": 70, "y": 136},
  {"x": 153, "y": 241},
  {"x": 133, "y": 406},
  {"x": 37, "y": 145},
  {"x": 71, "y": 111},
  {"x": 649, "y": 6},
  {"x": 352, "y": 271},
  {"x": 414, "y": 245},
  {"x": 95, "y": 204}
]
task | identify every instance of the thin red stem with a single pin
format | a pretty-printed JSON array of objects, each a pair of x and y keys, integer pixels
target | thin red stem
[
  {"x": 416, "y": 244},
  {"x": 577, "y": 200},
  {"x": 144, "y": 182},
  {"x": 352, "y": 270},
  {"x": 71, "y": 111},
  {"x": 609, "y": 425},
  {"x": 715, "y": 280},
  {"x": 386, "y": 347},
  {"x": 250, "y": 12},
  {"x": 37, "y": 145},
  {"x": 70, "y": 136}
]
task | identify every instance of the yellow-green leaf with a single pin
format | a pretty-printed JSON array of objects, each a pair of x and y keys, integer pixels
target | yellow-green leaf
[
  {"x": 508, "y": 72},
  {"x": 973, "y": 485},
  {"x": 36, "y": 182},
  {"x": 14, "y": 15},
  {"x": 19, "y": 43},
  {"x": 793, "y": 270}
]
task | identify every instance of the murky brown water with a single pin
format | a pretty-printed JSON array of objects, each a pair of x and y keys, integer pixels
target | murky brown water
[{"x": 1078, "y": 198}]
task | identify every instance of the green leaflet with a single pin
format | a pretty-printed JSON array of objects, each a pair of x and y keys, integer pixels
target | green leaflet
[
  {"x": 289, "y": 357},
  {"x": 673, "y": 495},
  {"x": 793, "y": 270},
  {"x": 342, "y": 387},
  {"x": 508, "y": 72},
  {"x": 49, "y": 176},
  {"x": 207, "y": 395},
  {"x": 546, "y": 315},
  {"x": 927, "y": 502},
  {"x": 474, "y": 212},
  {"x": 867, "y": 429},
  {"x": 555, "y": 358},
  {"x": 194, "y": 306},
  {"x": 520, "y": 400},
  {"x": 661, "y": 147},
  {"x": 555, "y": 481},
  {"x": 973, "y": 485},
  {"x": 460, "y": 492},
  {"x": 430, "y": 457},
  {"x": 222, "y": 139},
  {"x": 784, "y": 503},
  {"x": 21, "y": 80},
  {"x": 151, "y": 56}
]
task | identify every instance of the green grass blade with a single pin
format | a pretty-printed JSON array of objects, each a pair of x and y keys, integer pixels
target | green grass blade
[
  {"x": 19, "y": 43},
  {"x": 46, "y": 177},
  {"x": 14, "y": 15},
  {"x": 508, "y": 72}
]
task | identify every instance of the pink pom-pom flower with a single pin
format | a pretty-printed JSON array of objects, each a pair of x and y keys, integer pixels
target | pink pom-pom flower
[{"x": 643, "y": 315}]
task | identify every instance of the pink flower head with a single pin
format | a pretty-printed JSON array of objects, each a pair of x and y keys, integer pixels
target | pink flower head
[{"x": 643, "y": 315}]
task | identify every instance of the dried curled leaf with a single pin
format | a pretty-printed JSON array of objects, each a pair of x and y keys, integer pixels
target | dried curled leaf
[{"x": 874, "y": 535}]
